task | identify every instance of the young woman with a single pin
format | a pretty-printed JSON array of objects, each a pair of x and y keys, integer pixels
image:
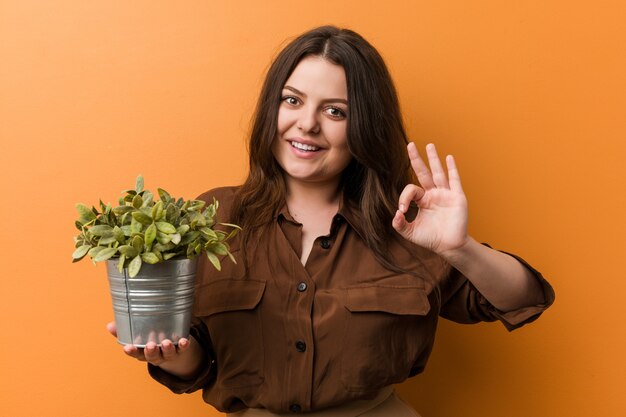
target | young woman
[{"x": 352, "y": 247}]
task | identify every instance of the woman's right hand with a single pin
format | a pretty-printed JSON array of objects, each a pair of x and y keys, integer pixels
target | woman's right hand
[{"x": 183, "y": 360}]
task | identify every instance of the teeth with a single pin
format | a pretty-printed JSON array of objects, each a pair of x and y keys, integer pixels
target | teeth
[{"x": 304, "y": 147}]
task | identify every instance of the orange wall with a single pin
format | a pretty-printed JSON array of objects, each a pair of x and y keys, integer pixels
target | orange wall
[{"x": 529, "y": 96}]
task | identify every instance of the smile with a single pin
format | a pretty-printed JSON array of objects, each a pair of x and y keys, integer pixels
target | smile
[{"x": 304, "y": 147}]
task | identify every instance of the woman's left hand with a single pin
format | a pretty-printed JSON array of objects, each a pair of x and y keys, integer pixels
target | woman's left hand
[{"x": 441, "y": 223}]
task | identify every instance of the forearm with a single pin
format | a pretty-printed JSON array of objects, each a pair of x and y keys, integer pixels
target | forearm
[{"x": 499, "y": 277}]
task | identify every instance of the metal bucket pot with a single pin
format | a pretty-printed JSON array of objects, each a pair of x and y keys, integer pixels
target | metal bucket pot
[{"x": 154, "y": 305}]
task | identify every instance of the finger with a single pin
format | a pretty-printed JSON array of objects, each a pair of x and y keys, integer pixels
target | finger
[
  {"x": 134, "y": 352},
  {"x": 183, "y": 344},
  {"x": 112, "y": 328},
  {"x": 421, "y": 170},
  {"x": 152, "y": 353},
  {"x": 168, "y": 350},
  {"x": 410, "y": 193},
  {"x": 439, "y": 176},
  {"x": 453, "y": 174}
]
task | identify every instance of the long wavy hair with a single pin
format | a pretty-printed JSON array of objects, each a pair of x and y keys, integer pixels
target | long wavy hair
[{"x": 376, "y": 138}]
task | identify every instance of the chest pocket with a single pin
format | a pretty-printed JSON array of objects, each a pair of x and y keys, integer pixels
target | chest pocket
[
  {"x": 386, "y": 330},
  {"x": 229, "y": 307}
]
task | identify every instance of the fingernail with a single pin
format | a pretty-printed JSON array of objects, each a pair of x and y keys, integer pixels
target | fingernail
[{"x": 402, "y": 207}]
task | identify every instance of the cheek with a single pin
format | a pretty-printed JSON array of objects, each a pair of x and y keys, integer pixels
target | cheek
[
  {"x": 282, "y": 121},
  {"x": 338, "y": 135}
]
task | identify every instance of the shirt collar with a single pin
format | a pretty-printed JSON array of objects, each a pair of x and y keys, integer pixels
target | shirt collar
[{"x": 347, "y": 211}]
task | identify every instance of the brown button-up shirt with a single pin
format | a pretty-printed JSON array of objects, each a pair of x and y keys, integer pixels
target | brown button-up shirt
[{"x": 289, "y": 337}]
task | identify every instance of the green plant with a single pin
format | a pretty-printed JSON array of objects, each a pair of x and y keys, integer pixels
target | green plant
[{"x": 142, "y": 230}]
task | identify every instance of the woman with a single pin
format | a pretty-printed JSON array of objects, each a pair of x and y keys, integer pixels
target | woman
[{"x": 346, "y": 262}]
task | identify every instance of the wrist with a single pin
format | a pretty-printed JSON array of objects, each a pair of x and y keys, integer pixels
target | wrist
[{"x": 461, "y": 253}]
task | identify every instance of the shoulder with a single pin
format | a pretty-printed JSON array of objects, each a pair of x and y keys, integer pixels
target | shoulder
[
  {"x": 225, "y": 197},
  {"x": 222, "y": 194}
]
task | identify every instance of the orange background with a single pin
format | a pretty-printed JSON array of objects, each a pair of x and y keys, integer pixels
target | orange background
[{"x": 529, "y": 96}]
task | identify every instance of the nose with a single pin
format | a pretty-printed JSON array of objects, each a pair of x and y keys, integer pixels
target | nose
[{"x": 307, "y": 121}]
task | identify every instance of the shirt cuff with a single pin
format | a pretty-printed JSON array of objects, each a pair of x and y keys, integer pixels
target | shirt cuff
[{"x": 517, "y": 318}]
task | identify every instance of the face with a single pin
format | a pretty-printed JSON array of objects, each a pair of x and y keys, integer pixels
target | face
[{"x": 311, "y": 145}]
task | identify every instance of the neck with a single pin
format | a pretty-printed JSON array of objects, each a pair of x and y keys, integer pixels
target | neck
[{"x": 312, "y": 194}]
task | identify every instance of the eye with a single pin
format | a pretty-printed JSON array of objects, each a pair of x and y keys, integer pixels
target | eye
[
  {"x": 290, "y": 100},
  {"x": 336, "y": 112}
]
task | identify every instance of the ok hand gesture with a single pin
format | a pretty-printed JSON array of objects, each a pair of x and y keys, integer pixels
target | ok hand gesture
[{"x": 441, "y": 223}]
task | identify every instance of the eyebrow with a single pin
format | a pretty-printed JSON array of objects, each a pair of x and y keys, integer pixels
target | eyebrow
[{"x": 328, "y": 100}]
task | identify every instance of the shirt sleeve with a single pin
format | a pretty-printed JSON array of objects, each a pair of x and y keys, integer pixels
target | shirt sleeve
[
  {"x": 463, "y": 303},
  {"x": 205, "y": 376}
]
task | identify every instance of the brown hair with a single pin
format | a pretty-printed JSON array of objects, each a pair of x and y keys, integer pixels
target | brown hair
[{"x": 379, "y": 169}]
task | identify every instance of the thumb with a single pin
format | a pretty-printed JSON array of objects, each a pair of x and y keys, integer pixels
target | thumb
[{"x": 112, "y": 328}]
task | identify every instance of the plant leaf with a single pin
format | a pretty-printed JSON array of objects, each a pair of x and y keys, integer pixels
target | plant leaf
[
  {"x": 86, "y": 214},
  {"x": 101, "y": 230},
  {"x": 164, "y": 195},
  {"x": 189, "y": 237},
  {"x": 197, "y": 220},
  {"x": 135, "y": 226},
  {"x": 137, "y": 243},
  {"x": 119, "y": 234},
  {"x": 139, "y": 184},
  {"x": 163, "y": 247},
  {"x": 157, "y": 210},
  {"x": 81, "y": 251},
  {"x": 214, "y": 260},
  {"x": 163, "y": 238},
  {"x": 120, "y": 263},
  {"x": 165, "y": 227},
  {"x": 209, "y": 233},
  {"x": 219, "y": 249},
  {"x": 93, "y": 252},
  {"x": 172, "y": 213},
  {"x": 105, "y": 254},
  {"x": 196, "y": 205},
  {"x": 128, "y": 251},
  {"x": 142, "y": 218},
  {"x": 167, "y": 256},
  {"x": 137, "y": 201},
  {"x": 151, "y": 233},
  {"x": 150, "y": 258},
  {"x": 107, "y": 240},
  {"x": 175, "y": 238},
  {"x": 122, "y": 210},
  {"x": 134, "y": 266},
  {"x": 231, "y": 225},
  {"x": 147, "y": 198}
]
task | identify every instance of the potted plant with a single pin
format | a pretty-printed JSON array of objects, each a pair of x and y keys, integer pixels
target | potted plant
[{"x": 151, "y": 249}]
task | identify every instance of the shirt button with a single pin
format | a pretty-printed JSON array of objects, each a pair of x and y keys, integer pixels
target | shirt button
[
  {"x": 300, "y": 346},
  {"x": 325, "y": 243},
  {"x": 302, "y": 286},
  {"x": 295, "y": 408}
]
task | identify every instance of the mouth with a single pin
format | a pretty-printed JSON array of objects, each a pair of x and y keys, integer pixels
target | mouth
[{"x": 304, "y": 147}]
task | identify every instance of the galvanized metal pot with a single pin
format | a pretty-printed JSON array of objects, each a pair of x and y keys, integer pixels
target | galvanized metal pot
[{"x": 154, "y": 305}]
